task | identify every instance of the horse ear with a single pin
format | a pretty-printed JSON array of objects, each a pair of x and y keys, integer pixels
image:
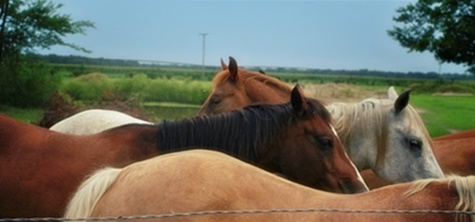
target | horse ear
[
  {"x": 402, "y": 101},
  {"x": 223, "y": 65},
  {"x": 297, "y": 99},
  {"x": 392, "y": 94},
  {"x": 233, "y": 68}
]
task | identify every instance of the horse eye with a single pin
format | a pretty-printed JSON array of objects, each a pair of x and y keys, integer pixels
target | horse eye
[
  {"x": 215, "y": 100},
  {"x": 325, "y": 143},
  {"x": 415, "y": 144}
]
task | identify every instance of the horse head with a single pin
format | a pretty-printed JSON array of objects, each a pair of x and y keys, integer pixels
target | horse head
[
  {"x": 407, "y": 144},
  {"x": 316, "y": 150},
  {"x": 235, "y": 88}
]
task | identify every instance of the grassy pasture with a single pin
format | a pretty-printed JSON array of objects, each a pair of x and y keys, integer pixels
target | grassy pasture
[
  {"x": 444, "y": 114},
  {"x": 164, "y": 90}
]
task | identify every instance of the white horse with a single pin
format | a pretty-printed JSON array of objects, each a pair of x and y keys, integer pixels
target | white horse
[
  {"x": 388, "y": 136},
  {"x": 94, "y": 121}
]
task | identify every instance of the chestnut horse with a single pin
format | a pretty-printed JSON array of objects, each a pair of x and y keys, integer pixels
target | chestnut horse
[
  {"x": 40, "y": 169},
  {"x": 94, "y": 121},
  {"x": 455, "y": 152},
  {"x": 202, "y": 185},
  {"x": 386, "y": 135}
]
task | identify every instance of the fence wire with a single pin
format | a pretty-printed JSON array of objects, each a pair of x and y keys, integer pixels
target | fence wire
[{"x": 237, "y": 212}]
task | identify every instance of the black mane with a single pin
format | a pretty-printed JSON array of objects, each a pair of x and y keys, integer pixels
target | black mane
[{"x": 242, "y": 133}]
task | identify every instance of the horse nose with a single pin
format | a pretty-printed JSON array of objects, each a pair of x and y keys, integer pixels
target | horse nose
[{"x": 353, "y": 187}]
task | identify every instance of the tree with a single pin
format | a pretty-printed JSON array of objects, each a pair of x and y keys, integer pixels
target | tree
[
  {"x": 26, "y": 25},
  {"x": 445, "y": 28}
]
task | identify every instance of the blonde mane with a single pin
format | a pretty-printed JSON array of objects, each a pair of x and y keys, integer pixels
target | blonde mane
[{"x": 465, "y": 187}]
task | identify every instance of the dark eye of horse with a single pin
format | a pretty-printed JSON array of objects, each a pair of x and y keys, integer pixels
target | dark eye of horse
[
  {"x": 415, "y": 143},
  {"x": 324, "y": 143},
  {"x": 215, "y": 100}
]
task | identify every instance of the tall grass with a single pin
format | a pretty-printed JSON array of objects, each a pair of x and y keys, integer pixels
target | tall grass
[
  {"x": 173, "y": 90},
  {"x": 93, "y": 86}
]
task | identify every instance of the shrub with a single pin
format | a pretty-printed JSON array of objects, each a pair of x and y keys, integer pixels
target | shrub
[
  {"x": 88, "y": 87},
  {"x": 26, "y": 82}
]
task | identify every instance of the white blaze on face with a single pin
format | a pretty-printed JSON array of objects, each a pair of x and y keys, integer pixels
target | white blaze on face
[{"x": 360, "y": 178}]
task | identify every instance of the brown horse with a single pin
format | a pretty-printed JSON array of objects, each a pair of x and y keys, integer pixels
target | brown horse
[
  {"x": 455, "y": 152},
  {"x": 386, "y": 135},
  {"x": 40, "y": 169},
  {"x": 198, "y": 182}
]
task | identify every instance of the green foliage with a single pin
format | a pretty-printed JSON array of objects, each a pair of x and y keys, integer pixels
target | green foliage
[
  {"x": 24, "y": 26},
  {"x": 174, "y": 90},
  {"x": 95, "y": 86},
  {"x": 26, "y": 83},
  {"x": 445, "y": 28},
  {"x": 27, "y": 115},
  {"x": 87, "y": 87},
  {"x": 30, "y": 24}
]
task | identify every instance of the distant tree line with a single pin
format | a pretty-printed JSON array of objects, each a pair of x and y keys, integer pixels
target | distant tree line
[
  {"x": 81, "y": 60},
  {"x": 374, "y": 73},
  {"x": 72, "y": 59}
]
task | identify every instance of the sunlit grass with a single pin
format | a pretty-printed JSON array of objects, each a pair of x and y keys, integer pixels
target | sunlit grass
[{"x": 444, "y": 114}]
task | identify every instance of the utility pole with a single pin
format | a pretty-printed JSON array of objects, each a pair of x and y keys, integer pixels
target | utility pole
[{"x": 203, "y": 56}]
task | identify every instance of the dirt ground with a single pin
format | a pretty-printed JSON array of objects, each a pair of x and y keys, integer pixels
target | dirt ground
[{"x": 341, "y": 92}]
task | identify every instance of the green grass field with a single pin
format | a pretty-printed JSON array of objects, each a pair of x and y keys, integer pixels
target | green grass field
[{"x": 445, "y": 114}]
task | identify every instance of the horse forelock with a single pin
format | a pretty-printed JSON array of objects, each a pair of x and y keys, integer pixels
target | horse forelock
[
  {"x": 417, "y": 122},
  {"x": 317, "y": 109},
  {"x": 245, "y": 133},
  {"x": 463, "y": 185},
  {"x": 221, "y": 77}
]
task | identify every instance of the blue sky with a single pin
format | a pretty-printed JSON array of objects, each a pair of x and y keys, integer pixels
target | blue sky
[{"x": 303, "y": 34}]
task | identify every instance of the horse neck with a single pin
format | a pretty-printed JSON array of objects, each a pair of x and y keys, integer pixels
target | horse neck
[
  {"x": 265, "y": 89},
  {"x": 247, "y": 134},
  {"x": 450, "y": 193},
  {"x": 363, "y": 129},
  {"x": 126, "y": 144},
  {"x": 12, "y": 131}
]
